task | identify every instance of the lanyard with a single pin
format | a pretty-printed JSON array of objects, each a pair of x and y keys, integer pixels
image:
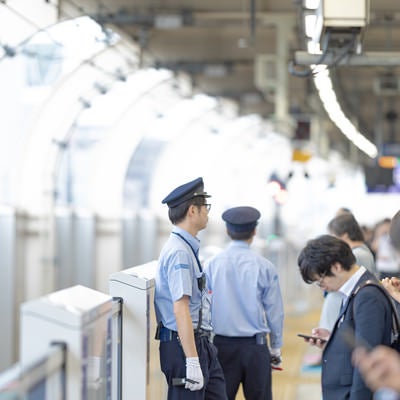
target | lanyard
[
  {"x": 200, "y": 281},
  {"x": 194, "y": 253}
]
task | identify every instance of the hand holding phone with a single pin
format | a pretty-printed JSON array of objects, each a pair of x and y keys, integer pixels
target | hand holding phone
[{"x": 309, "y": 337}]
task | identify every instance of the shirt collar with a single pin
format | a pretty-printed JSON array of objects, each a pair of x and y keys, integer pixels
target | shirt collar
[
  {"x": 349, "y": 285},
  {"x": 194, "y": 242},
  {"x": 239, "y": 243}
]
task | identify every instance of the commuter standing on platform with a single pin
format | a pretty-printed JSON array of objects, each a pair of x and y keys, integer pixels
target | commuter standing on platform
[
  {"x": 246, "y": 308},
  {"x": 366, "y": 313},
  {"x": 188, "y": 359},
  {"x": 380, "y": 367},
  {"x": 344, "y": 226}
]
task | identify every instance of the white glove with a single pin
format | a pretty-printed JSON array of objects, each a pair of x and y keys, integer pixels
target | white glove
[
  {"x": 194, "y": 375},
  {"x": 276, "y": 359}
]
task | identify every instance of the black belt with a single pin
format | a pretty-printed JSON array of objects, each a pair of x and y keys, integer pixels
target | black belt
[
  {"x": 259, "y": 338},
  {"x": 167, "y": 335}
]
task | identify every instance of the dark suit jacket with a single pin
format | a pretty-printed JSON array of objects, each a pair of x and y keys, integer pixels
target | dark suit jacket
[{"x": 369, "y": 315}]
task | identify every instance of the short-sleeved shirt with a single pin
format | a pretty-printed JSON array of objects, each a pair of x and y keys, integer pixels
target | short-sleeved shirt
[
  {"x": 177, "y": 275},
  {"x": 246, "y": 296}
]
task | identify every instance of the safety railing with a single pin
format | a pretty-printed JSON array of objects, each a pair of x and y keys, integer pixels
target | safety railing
[
  {"x": 45, "y": 378},
  {"x": 117, "y": 348}
]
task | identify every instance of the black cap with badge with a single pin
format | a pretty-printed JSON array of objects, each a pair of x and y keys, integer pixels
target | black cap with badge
[{"x": 186, "y": 192}]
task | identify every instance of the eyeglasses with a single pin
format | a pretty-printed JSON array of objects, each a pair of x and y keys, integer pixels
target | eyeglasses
[
  {"x": 318, "y": 282},
  {"x": 207, "y": 206}
]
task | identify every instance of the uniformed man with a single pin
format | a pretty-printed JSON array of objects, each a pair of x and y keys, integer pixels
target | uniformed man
[
  {"x": 246, "y": 308},
  {"x": 188, "y": 359}
]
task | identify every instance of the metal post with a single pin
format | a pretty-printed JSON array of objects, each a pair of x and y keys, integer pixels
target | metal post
[
  {"x": 282, "y": 94},
  {"x": 118, "y": 303}
]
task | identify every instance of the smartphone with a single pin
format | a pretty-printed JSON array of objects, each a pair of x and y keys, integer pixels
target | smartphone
[{"x": 311, "y": 337}]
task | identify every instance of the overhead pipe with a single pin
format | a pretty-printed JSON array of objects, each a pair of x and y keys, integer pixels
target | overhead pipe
[{"x": 252, "y": 21}]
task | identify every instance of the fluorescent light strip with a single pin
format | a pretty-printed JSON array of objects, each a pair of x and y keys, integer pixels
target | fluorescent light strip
[
  {"x": 311, "y": 4},
  {"x": 327, "y": 95},
  {"x": 309, "y": 24}
]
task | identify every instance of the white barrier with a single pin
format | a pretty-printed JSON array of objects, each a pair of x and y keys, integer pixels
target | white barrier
[
  {"x": 81, "y": 318},
  {"x": 141, "y": 375}
]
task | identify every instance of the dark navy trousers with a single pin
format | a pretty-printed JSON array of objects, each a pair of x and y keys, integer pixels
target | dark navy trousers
[
  {"x": 173, "y": 365},
  {"x": 246, "y": 362}
]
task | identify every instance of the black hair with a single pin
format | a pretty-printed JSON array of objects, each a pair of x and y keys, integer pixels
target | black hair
[
  {"x": 177, "y": 214},
  {"x": 240, "y": 235},
  {"x": 320, "y": 254},
  {"x": 343, "y": 210},
  {"x": 346, "y": 223}
]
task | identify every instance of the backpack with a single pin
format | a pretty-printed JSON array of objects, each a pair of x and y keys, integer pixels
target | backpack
[{"x": 395, "y": 337}]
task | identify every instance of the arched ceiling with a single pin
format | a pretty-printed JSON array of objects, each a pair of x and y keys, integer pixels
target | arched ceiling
[
  {"x": 113, "y": 95},
  {"x": 241, "y": 49}
]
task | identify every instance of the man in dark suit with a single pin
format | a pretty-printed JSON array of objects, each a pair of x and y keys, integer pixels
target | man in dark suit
[{"x": 366, "y": 313}]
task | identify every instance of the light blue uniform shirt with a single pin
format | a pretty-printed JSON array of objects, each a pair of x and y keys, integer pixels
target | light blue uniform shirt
[
  {"x": 176, "y": 276},
  {"x": 246, "y": 296}
]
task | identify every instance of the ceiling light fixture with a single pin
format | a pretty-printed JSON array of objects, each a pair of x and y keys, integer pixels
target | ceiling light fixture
[
  {"x": 311, "y": 4},
  {"x": 309, "y": 24},
  {"x": 328, "y": 98}
]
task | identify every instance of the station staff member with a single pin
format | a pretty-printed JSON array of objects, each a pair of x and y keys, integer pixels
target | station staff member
[
  {"x": 188, "y": 359},
  {"x": 246, "y": 308}
]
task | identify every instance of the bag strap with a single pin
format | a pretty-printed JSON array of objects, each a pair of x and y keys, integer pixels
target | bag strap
[{"x": 395, "y": 315}]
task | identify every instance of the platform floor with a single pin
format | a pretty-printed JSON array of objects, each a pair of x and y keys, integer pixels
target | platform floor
[{"x": 297, "y": 381}]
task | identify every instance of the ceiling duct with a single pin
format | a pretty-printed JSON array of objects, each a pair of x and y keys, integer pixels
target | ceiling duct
[{"x": 166, "y": 20}]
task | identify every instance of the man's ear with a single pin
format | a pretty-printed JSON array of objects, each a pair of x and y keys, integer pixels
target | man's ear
[
  {"x": 191, "y": 210},
  {"x": 337, "y": 267}
]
